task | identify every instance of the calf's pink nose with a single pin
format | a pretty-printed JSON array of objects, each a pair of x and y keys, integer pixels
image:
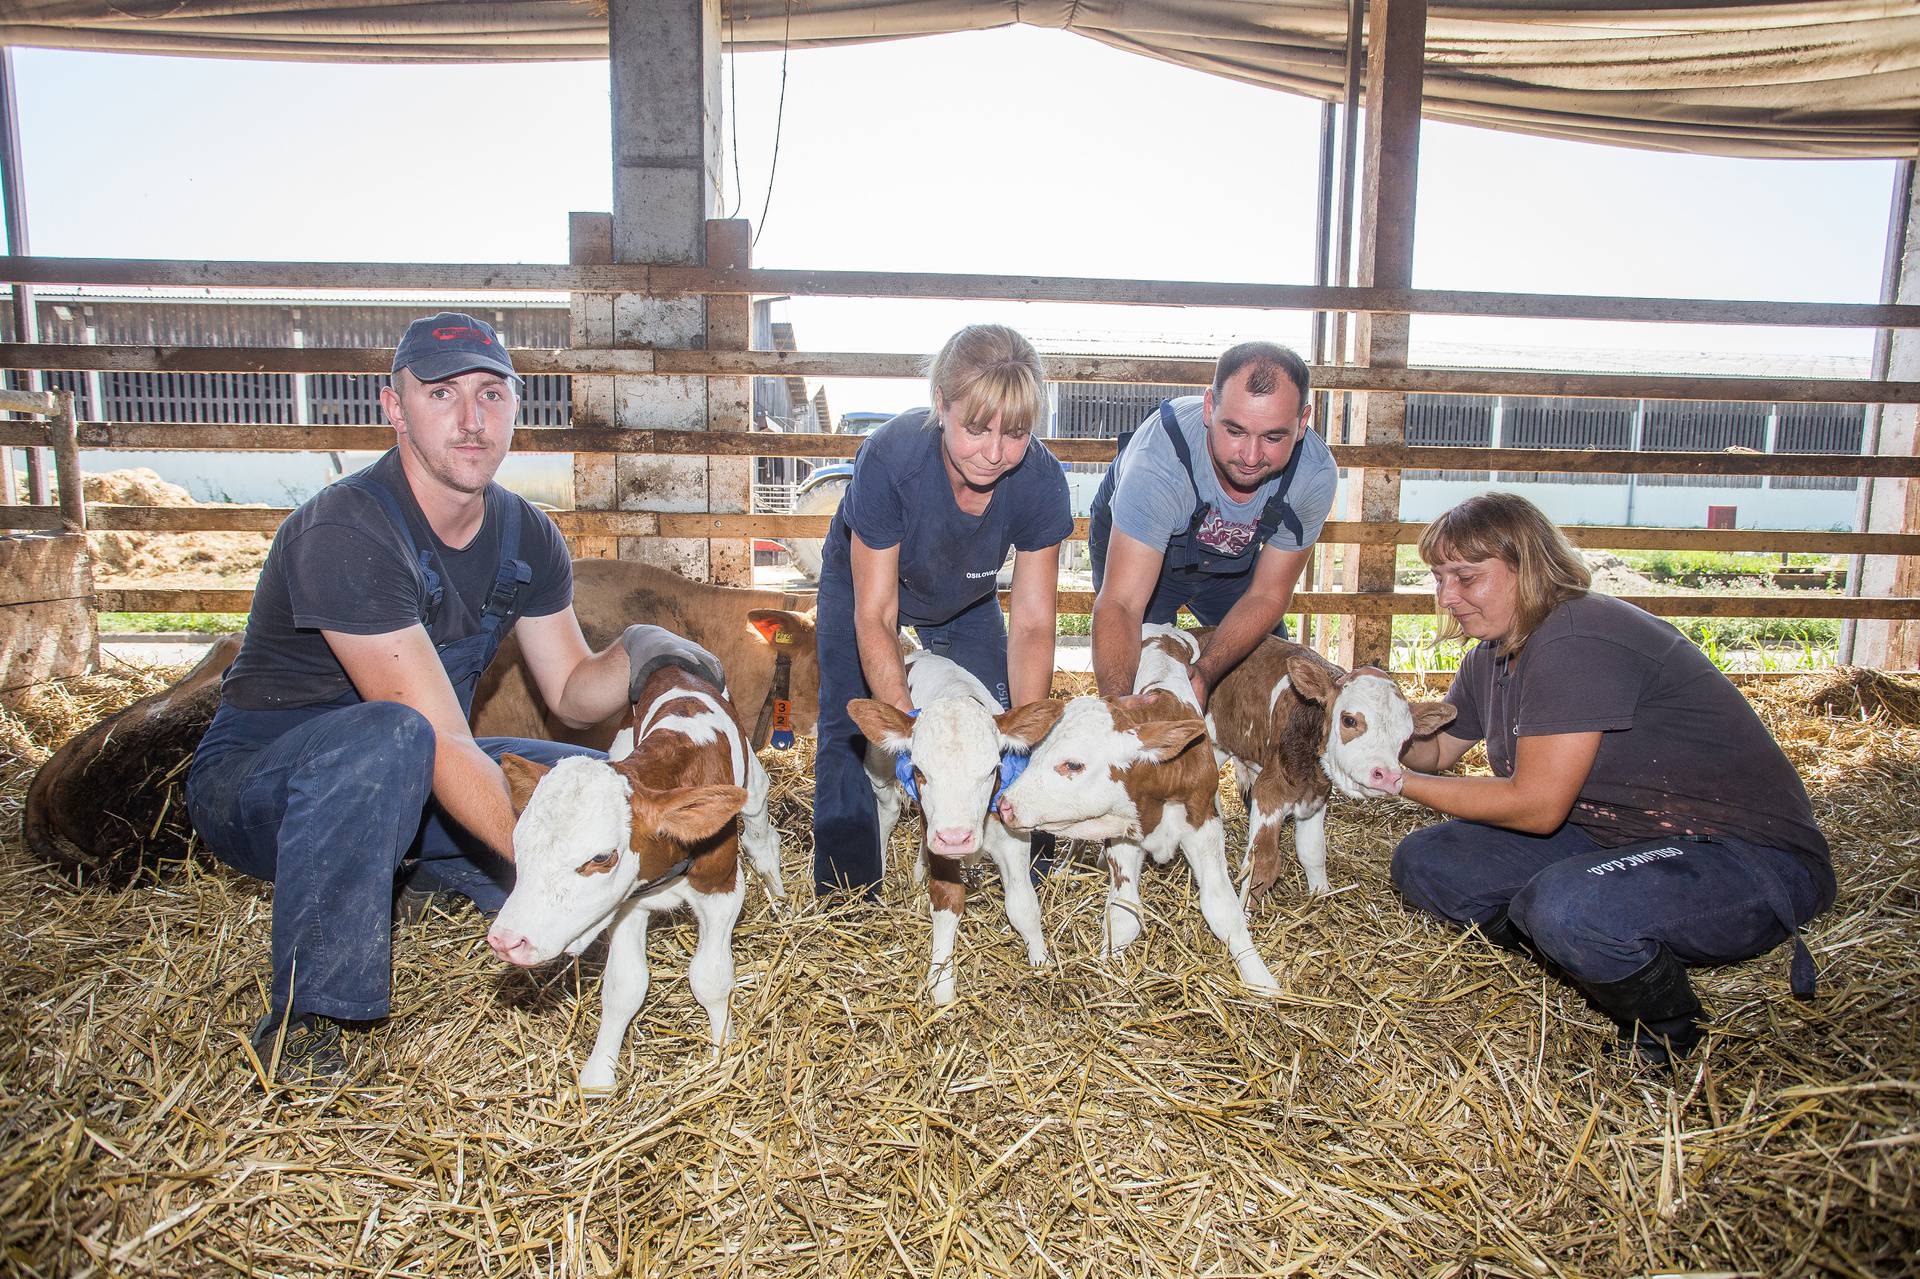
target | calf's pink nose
[
  {"x": 953, "y": 840},
  {"x": 1006, "y": 812},
  {"x": 509, "y": 946},
  {"x": 1383, "y": 778}
]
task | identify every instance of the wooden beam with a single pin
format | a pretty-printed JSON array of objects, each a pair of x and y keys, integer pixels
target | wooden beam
[
  {"x": 106, "y": 518},
  {"x": 667, "y": 279},
  {"x": 177, "y": 600},
  {"x": 582, "y": 361},
  {"x": 200, "y": 436},
  {"x": 39, "y": 403}
]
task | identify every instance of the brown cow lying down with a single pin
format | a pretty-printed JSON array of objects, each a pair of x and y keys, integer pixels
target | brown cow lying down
[{"x": 91, "y": 804}]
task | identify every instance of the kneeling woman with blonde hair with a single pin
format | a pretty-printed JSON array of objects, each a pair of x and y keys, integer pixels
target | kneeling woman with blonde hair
[
  {"x": 1640, "y": 817},
  {"x": 938, "y": 496}
]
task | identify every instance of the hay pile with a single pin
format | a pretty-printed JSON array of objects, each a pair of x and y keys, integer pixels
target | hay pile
[
  {"x": 1417, "y": 1104},
  {"x": 165, "y": 559}
]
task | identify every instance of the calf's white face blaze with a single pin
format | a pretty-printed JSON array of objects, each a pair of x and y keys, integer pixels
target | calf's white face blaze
[
  {"x": 574, "y": 848},
  {"x": 1369, "y": 722},
  {"x": 1075, "y": 784}
]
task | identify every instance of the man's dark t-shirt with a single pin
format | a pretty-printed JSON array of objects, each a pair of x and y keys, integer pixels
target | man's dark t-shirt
[
  {"x": 1681, "y": 750},
  {"x": 339, "y": 564}
]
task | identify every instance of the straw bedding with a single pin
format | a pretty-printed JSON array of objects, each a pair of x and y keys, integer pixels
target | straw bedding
[{"x": 1416, "y": 1104}]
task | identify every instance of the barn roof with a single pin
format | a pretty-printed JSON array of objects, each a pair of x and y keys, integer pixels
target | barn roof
[{"x": 1814, "y": 78}]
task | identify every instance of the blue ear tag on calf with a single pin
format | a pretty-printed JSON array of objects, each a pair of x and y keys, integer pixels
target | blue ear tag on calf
[
  {"x": 1012, "y": 764},
  {"x": 903, "y": 767}
]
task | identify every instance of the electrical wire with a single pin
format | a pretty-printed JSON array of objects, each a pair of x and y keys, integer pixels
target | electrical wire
[{"x": 779, "y": 119}]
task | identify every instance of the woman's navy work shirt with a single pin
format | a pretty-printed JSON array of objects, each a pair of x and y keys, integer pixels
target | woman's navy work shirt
[{"x": 901, "y": 496}]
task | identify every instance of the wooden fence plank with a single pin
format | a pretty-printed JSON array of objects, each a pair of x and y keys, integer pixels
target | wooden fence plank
[
  {"x": 34, "y": 570},
  {"x": 41, "y": 403},
  {"x": 156, "y": 600},
  {"x": 53, "y": 639},
  {"x": 267, "y": 437},
  {"x": 644, "y": 278},
  {"x": 105, "y": 518},
  {"x": 590, "y": 362}
]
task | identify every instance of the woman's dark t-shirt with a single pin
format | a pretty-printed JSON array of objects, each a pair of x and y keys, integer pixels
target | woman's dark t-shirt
[
  {"x": 339, "y": 564},
  {"x": 901, "y": 496},
  {"x": 1681, "y": 750}
]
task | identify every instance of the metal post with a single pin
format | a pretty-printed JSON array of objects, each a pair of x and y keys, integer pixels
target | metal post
[
  {"x": 1898, "y": 222},
  {"x": 26, "y": 322}
]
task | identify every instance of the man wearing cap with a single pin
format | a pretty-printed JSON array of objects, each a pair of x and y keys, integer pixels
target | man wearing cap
[
  {"x": 1213, "y": 504},
  {"x": 340, "y": 764}
]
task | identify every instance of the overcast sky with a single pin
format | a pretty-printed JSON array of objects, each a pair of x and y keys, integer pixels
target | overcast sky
[{"x": 1018, "y": 150}]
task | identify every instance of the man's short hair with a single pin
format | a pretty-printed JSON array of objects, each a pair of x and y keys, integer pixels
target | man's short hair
[{"x": 1266, "y": 362}]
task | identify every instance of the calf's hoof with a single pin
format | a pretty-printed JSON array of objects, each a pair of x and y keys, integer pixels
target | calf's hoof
[{"x": 596, "y": 1079}]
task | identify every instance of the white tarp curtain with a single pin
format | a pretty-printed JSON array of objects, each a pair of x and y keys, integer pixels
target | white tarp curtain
[{"x": 1809, "y": 79}]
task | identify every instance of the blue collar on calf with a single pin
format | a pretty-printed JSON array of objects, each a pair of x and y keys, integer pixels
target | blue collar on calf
[{"x": 1012, "y": 764}]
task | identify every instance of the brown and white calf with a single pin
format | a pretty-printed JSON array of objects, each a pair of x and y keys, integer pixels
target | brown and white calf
[
  {"x": 594, "y": 834},
  {"x": 1296, "y": 727},
  {"x": 955, "y": 743},
  {"x": 1138, "y": 773}
]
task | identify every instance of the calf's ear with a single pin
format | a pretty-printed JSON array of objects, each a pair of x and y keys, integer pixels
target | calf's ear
[
  {"x": 884, "y": 725},
  {"x": 1312, "y": 679},
  {"x": 689, "y": 814},
  {"x": 522, "y": 776},
  {"x": 1022, "y": 727},
  {"x": 1430, "y": 717},
  {"x": 1164, "y": 739},
  {"x": 781, "y": 628}
]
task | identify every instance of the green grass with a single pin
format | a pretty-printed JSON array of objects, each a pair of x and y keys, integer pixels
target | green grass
[{"x": 186, "y": 623}]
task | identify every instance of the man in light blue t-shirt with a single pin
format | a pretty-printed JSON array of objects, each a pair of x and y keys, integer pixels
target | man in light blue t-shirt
[{"x": 1215, "y": 506}]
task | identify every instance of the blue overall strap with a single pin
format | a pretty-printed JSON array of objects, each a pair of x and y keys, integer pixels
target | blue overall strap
[
  {"x": 436, "y": 592},
  {"x": 511, "y": 577},
  {"x": 1272, "y": 516}
]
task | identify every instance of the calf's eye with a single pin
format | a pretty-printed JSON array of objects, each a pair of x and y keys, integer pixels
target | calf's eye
[
  {"x": 1069, "y": 768},
  {"x": 1346, "y": 719},
  {"x": 600, "y": 863}
]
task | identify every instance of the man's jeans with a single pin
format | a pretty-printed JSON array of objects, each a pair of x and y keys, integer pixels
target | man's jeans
[
  {"x": 327, "y": 811},
  {"x": 1602, "y": 914}
]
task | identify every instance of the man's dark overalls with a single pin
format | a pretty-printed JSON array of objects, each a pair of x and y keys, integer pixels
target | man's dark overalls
[
  {"x": 1207, "y": 581},
  {"x": 326, "y": 801}
]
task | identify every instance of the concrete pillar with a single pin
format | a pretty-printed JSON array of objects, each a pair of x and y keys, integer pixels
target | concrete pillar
[
  {"x": 1396, "y": 46},
  {"x": 664, "y": 69},
  {"x": 1893, "y": 506}
]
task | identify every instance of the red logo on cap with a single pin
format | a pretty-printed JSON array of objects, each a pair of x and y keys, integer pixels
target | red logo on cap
[{"x": 457, "y": 332}]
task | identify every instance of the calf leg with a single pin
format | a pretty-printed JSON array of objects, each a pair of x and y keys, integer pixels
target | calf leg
[
  {"x": 1012, "y": 856},
  {"x": 757, "y": 835},
  {"x": 1206, "y": 851},
  {"x": 623, "y": 988},
  {"x": 947, "y": 894},
  {"x": 1123, "y": 894},
  {"x": 711, "y": 973},
  {"x": 1310, "y": 846}
]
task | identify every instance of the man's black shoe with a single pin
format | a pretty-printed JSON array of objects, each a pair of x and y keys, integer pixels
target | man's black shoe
[
  {"x": 1655, "y": 1009},
  {"x": 307, "y": 1052}
]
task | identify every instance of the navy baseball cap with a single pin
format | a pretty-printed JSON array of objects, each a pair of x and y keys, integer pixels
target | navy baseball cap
[{"x": 437, "y": 347}]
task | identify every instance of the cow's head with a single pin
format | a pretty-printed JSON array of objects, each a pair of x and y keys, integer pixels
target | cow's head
[
  {"x": 955, "y": 744},
  {"x": 588, "y": 830},
  {"x": 1077, "y": 783},
  {"x": 792, "y": 634},
  {"x": 1369, "y": 723}
]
